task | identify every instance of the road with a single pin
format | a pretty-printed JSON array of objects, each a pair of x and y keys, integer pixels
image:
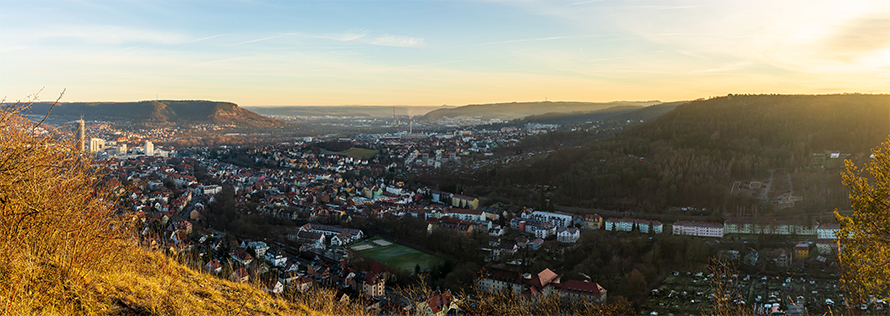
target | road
[{"x": 610, "y": 213}]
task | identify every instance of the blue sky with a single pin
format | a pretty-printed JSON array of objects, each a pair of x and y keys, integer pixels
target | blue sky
[{"x": 439, "y": 52}]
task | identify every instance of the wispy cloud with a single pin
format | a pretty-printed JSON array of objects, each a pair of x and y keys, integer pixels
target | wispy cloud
[
  {"x": 586, "y": 2},
  {"x": 423, "y": 65},
  {"x": 345, "y": 36},
  {"x": 205, "y": 38},
  {"x": 259, "y": 39},
  {"x": 661, "y": 7},
  {"x": 99, "y": 34},
  {"x": 859, "y": 36},
  {"x": 397, "y": 41},
  {"x": 526, "y": 40},
  {"x": 728, "y": 67}
]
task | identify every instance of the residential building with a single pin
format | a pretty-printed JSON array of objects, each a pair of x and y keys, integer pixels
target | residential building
[
  {"x": 259, "y": 248},
  {"x": 801, "y": 250},
  {"x": 494, "y": 280},
  {"x": 558, "y": 220},
  {"x": 213, "y": 266},
  {"x": 620, "y": 224},
  {"x": 582, "y": 290},
  {"x": 241, "y": 256},
  {"x": 273, "y": 285},
  {"x": 338, "y": 235},
  {"x": 593, "y": 221},
  {"x": 700, "y": 229},
  {"x": 96, "y": 145},
  {"x": 463, "y": 201},
  {"x": 276, "y": 258},
  {"x": 826, "y": 246},
  {"x": 827, "y": 231},
  {"x": 463, "y": 214},
  {"x": 438, "y": 305},
  {"x": 568, "y": 235},
  {"x": 374, "y": 285},
  {"x": 303, "y": 283},
  {"x": 239, "y": 275}
]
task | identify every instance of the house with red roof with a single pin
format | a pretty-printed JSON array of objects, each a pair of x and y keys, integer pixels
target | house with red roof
[
  {"x": 438, "y": 305},
  {"x": 373, "y": 285},
  {"x": 581, "y": 290},
  {"x": 239, "y": 275},
  {"x": 273, "y": 285}
]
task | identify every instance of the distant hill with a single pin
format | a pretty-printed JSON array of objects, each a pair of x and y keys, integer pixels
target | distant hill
[
  {"x": 160, "y": 112},
  {"x": 691, "y": 155},
  {"x": 515, "y": 110},
  {"x": 579, "y": 117},
  {"x": 345, "y": 110},
  {"x": 645, "y": 114},
  {"x": 628, "y": 115}
]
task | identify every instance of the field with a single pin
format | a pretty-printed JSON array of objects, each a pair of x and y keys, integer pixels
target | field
[{"x": 394, "y": 255}]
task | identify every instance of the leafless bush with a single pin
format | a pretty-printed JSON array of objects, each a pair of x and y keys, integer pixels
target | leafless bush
[{"x": 56, "y": 218}]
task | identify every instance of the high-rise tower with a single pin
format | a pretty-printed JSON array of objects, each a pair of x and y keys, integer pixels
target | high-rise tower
[{"x": 81, "y": 134}]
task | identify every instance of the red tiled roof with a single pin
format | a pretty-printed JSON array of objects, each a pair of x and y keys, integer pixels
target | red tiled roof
[
  {"x": 437, "y": 302},
  {"x": 582, "y": 287}
]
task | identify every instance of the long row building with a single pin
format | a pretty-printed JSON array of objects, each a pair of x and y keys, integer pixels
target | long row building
[
  {"x": 743, "y": 226},
  {"x": 747, "y": 226}
]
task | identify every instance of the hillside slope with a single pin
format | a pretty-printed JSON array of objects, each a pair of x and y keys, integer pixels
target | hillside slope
[
  {"x": 150, "y": 283},
  {"x": 579, "y": 117},
  {"x": 69, "y": 246},
  {"x": 160, "y": 112},
  {"x": 514, "y": 110},
  {"x": 691, "y": 155}
]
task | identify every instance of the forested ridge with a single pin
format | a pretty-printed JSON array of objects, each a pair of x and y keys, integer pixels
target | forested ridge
[
  {"x": 159, "y": 112},
  {"x": 691, "y": 155}
]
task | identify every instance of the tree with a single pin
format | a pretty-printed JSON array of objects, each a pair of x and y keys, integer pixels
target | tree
[
  {"x": 636, "y": 284},
  {"x": 864, "y": 237}
]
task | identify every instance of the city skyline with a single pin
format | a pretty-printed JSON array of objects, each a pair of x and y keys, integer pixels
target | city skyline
[{"x": 257, "y": 53}]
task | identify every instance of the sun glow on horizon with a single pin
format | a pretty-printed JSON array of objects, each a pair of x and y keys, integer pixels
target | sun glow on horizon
[{"x": 434, "y": 53}]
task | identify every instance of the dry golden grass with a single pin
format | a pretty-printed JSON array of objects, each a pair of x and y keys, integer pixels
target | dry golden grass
[{"x": 67, "y": 250}]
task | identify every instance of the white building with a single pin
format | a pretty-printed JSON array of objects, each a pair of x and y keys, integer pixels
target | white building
[
  {"x": 827, "y": 231},
  {"x": 210, "y": 189},
  {"x": 149, "y": 148},
  {"x": 277, "y": 258},
  {"x": 568, "y": 235},
  {"x": 540, "y": 230},
  {"x": 559, "y": 220},
  {"x": 619, "y": 224},
  {"x": 464, "y": 214},
  {"x": 96, "y": 145},
  {"x": 259, "y": 247},
  {"x": 700, "y": 229}
]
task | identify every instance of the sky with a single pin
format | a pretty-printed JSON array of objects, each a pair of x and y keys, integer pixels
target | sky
[{"x": 425, "y": 52}]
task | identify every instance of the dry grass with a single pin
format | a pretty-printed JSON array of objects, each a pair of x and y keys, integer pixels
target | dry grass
[
  {"x": 68, "y": 250},
  {"x": 508, "y": 303}
]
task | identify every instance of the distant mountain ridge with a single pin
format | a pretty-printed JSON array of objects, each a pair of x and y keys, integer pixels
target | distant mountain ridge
[
  {"x": 691, "y": 154},
  {"x": 516, "y": 110},
  {"x": 345, "y": 110},
  {"x": 164, "y": 112}
]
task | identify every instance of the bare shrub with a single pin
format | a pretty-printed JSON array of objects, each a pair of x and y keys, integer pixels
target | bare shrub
[{"x": 56, "y": 219}]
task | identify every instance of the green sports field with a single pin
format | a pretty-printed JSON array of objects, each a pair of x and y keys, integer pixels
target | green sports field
[{"x": 394, "y": 255}]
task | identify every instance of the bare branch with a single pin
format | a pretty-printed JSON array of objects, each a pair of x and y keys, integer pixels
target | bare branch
[{"x": 50, "y": 108}]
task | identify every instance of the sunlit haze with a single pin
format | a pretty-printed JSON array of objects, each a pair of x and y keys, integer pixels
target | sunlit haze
[{"x": 440, "y": 52}]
